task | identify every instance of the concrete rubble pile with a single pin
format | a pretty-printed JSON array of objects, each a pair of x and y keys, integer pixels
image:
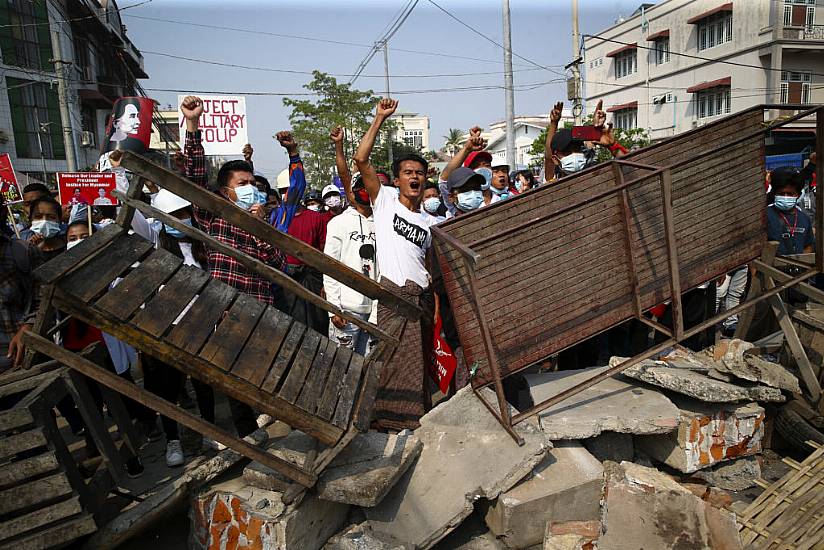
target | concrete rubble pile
[{"x": 640, "y": 460}]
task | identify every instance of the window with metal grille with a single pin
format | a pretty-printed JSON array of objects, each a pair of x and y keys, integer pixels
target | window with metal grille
[
  {"x": 795, "y": 86},
  {"x": 626, "y": 63},
  {"x": 25, "y": 39},
  {"x": 713, "y": 102},
  {"x": 714, "y": 30},
  {"x": 799, "y": 13},
  {"x": 662, "y": 51},
  {"x": 625, "y": 119},
  {"x": 35, "y": 119},
  {"x": 413, "y": 138}
]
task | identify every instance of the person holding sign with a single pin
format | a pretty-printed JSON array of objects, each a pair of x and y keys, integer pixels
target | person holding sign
[{"x": 236, "y": 183}]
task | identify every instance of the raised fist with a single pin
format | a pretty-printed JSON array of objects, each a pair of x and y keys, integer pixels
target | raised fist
[
  {"x": 191, "y": 107},
  {"x": 557, "y": 111},
  {"x": 336, "y": 135},
  {"x": 386, "y": 107},
  {"x": 287, "y": 141}
]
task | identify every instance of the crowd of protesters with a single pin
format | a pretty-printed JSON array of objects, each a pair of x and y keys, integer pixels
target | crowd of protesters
[{"x": 378, "y": 225}]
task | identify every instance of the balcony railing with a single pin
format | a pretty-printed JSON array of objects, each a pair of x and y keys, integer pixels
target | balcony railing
[{"x": 811, "y": 32}]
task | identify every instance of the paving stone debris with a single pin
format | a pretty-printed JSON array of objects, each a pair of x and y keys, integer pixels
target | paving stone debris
[
  {"x": 707, "y": 434},
  {"x": 566, "y": 486},
  {"x": 466, "y": 456},
  {"x": 572, "y": 535},
  {"x": 735, "y": 475},
  {"x": 611, "y": 405},
  {"x": 645, "y": 508},
  {"x": 613, "y": 446}
]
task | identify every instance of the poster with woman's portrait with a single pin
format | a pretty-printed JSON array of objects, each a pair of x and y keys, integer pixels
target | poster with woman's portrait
[{"x": 130, "y": 126}]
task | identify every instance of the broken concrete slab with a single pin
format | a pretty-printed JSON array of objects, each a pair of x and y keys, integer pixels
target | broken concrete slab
[
  {"x": 697, "y": 385},
  {"x": 611, "y": 405},
  {"x": 708, "y": 433},
  {"x": 612, "y": 446},
  {"x": 466, "y": 455},
  {"x": 757, "y": 369},
  {"x": 735, "y": 475},
  {"x": 234, "y": 514},
  {"x": 644, "y": 508},
  {"x": 358, "y": 537},
  {"x": 572, "y": 535},
  {"x": 361, "y": 475},
  {"x": 566, "y": 486},
  {"x": 731, "y": 350}
]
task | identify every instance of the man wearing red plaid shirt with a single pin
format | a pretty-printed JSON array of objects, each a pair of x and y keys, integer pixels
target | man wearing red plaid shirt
[{"x": 234, "y": 181}]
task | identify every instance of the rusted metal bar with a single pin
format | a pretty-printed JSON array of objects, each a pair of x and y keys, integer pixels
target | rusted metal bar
[
  {"x": 506, "y": 426},
  {"x": 578, "y": 388},
  {"x": 464, "y": 250},
  {"x": 791, "y": 261},
  {"x": 657, "y": 326},
  {"x": 623, "y": 201},
  {"x": 672, "y": 255},
  {"x": 819, "y": 196}
]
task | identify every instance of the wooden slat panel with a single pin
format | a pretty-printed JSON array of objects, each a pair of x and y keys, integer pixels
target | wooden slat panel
[
  {"x": 136, "y": 288},
  {"x": 313, "y": 388},
  {"x": 63, "y": 532},
  {"x": 13, "y": 444},
  {"x": 36, "y": 520},
  {"x": 333, "y": 384},
  {"x": 68, "y": 260},
  {"x": 284, "y": 358},
  {"x": 34, "y": 492},
  {"x": 226, "y": 343},
  {"x": 254, "y": 362},
  {"x": 15, "y": 418},
  {"x": 348, "y": 390},
  {"x": 95, "y": 276},
  {"x": 173, "y": 298},
  {"x": 199, "y": 322},
  {"x": 300, "y": 366},
  {"x": 15, "y": 472}
]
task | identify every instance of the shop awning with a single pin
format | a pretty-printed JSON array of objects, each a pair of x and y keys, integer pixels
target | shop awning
[
  {"x": 726, "y": 81},
  {"x": 657, "y": 35},
  {"x": 719, "y": 9},
  {"x": 622, "y": 106},
  {"x": 622, "y": 49}
]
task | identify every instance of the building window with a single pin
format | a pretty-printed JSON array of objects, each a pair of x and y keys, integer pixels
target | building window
[
  {"x": 625, "y": 119},
  {"x": 34, "y": 109},
  {"x": 25, "y": 39},
  {"x": 714, "y": 30},
  {"x": 662, "y": 53},
  {"x": 713, "y": 102},
  {"x": 413, "y": 138},
  {"x": 626, "y": 63},
  {"x": 799, "y": 13},
  {"x": 795, "y": 86}
]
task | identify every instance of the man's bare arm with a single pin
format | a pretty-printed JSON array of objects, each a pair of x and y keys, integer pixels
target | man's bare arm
[
  {"x": 336, "y": 135},
  {"x": 370, "y": 178},
  {"x": 473, "y": 143},
  {"x": 551, "y": 130}
]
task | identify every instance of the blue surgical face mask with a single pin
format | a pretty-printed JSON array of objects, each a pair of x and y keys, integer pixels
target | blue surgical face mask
[
  {"x": 470, "y": 200},
  {"x": 519, "y": 186},
  {"x": 574, "y": 162},
  {"x": 175, "y": 232},
  {"x": 487, "y": 174},
  {"x": 246, "y": 196},
  {"x": 785, "y": 202},
  {"x": 500, "y": 192},
  {"x": 261, "y": 196},
  {"x": 432, "y": 204},
  {"x": 46, "y": 228}
]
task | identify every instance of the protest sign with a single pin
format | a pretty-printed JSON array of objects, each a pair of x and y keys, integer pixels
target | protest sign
[
  {"x": 8, "y": 181},
  {"x": 222, "y": 125},
  {"x": 93, "y": 188},
  {"x": 130, "y": 125}
]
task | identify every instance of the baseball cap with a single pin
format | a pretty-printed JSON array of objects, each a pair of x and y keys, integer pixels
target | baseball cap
[
  {"x": 461, "y": 176},
  {"x": 283, "y": 179},
  {"x": 503, "y": 165},
  {"x": 477, "y": 156},
  {"x": 563, "y": 140},
  {"x": 330, "y": 190}
]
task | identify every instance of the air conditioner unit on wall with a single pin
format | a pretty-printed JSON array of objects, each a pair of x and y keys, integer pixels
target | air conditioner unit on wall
[{"x": 87, "y": 138}]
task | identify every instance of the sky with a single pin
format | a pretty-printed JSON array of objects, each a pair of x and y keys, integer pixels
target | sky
[{"x": 241, "y": 33}]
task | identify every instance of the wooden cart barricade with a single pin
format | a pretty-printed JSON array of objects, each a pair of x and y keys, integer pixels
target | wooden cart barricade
[
  {"x": 534, "y": 275},
  {"x": 248, "y": 350}
]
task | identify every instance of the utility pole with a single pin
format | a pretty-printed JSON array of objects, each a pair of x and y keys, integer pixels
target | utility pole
[
  {"x": 577, "y": 108},
  {"x": 63, "y": 99},
  {"x": 386, "y": 79},
  {"x": 509, "y": 92},
  {"x": 41, "y": 129}
]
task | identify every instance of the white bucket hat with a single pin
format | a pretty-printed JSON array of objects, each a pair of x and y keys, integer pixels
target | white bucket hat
[{"x": 167, "y": 202}]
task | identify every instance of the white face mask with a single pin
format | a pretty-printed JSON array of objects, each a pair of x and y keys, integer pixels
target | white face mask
[
  {"x": 72, "y": 244},
  {"x": 574, "y": 162},
  {"x": 332, "y": 202},
  {"x": 313, "y": 207},
  {"x": 432, "y": 204},
  {"x": 46, "y": 228}
]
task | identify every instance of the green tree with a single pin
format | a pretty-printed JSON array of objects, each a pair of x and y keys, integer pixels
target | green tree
[
  {"x": 631, "y": 139},
  {"x": 454, "y": 140},
  {"x": 335, "y": 104}
]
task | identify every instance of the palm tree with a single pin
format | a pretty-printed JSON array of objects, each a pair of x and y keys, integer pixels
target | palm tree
[{"x": 453, "y": 142}]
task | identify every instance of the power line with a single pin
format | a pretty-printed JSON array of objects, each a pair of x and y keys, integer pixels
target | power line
[
  {"x": 380, "y": 42},
  {"x": 103, "y": 11}
]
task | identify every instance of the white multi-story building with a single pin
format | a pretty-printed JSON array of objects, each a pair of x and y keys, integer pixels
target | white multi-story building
[
  {"x": 737, "y": 54},
  {"x": 413, "y": 129},
  {"x": 99, "y": 64}
]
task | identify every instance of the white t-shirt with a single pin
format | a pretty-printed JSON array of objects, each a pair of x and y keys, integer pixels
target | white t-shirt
[{"x": 403, "y": 238}]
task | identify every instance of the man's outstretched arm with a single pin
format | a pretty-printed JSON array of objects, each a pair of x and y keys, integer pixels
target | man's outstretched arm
[
  {"x": 473, "y": 143},
  {"x": 370, "y": 178},
  {"x": 336, "y": 135},
  {"x": 551, "y": 130}
]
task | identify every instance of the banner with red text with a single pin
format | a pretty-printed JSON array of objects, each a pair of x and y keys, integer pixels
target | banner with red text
[
  {"x": 223, "y": 125},
  {"x": 93, "y": 188}
]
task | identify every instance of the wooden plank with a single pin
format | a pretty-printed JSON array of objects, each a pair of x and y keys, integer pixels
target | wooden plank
[
  {"x": 193, "y": 366},
  {"x": 263, "y": 346},
  {"x": 199, "y": 322},
  {"x": 300, "y": 366},
  {"x": 34, "y": 492},
  {"x": 313, "y": 388},
  {"x": 173, "y": 298},
  {"x": 14, "y": 444},
  {"x": 231, "y": 334},
  {"x": 15, "y": 472},
  {"x": 348, "y": 390},
  {"x": 15, "y": 419},
  {"x": 284, "y": 358},
  {"x": 166, "y": 408},
  {"x": 64, "y": 532},
  {"x": 94, "y": 277},
  {"x": 138, "y": 286},
  {"x": 260, "y": 228},
  {"x": 39, "y": 518},
  {"x": 331, "y": 391},
  {"x": 26, "y": 384},
  {"x": 71, "y": 259}
]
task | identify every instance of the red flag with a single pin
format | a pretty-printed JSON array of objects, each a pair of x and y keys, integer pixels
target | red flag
[{"x": 443, "y": 363}]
